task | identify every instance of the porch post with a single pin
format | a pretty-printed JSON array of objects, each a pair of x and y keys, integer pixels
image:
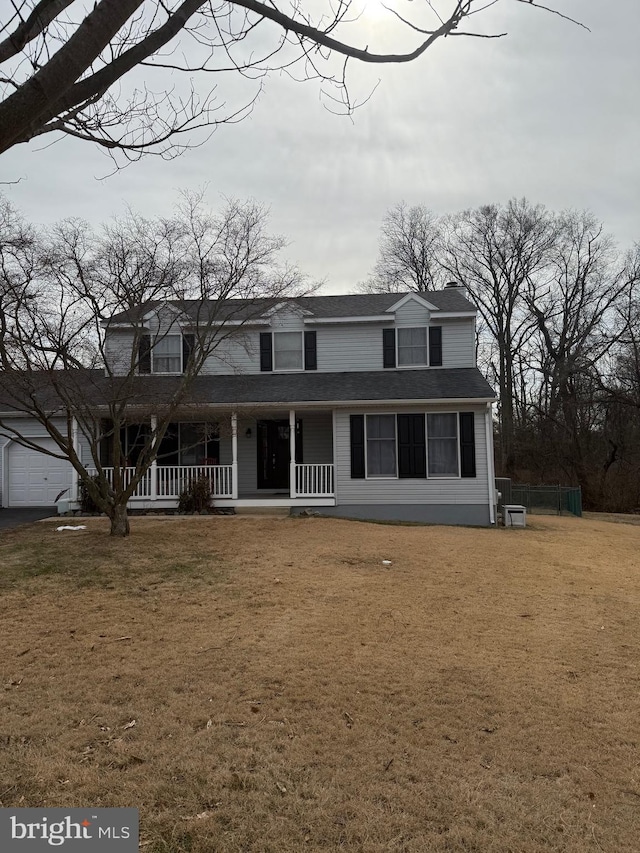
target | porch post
[
  {"x": 234, "y": 456},
  {"x": 153, "y": 473},
  {"x": 292, "y": 453},
  {"x": 74, "y": 474}
]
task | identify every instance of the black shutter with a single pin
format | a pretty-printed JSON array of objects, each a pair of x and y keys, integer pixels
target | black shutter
[
  {"x": 412, "y": 451},
  {"x": 357, "y": 447},
  {"x": 435, "y": 346},
  {"x": 467, "y": 445},
  {"x": 188, "y": 343},
  {"x": 266, "y": 356},
  {"x": 389, "y": 347},
  {"x": 310, "y": 352},
  {"x": 144, "y": 354}
]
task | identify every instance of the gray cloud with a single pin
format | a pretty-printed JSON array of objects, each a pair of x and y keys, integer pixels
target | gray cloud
[{"x": 551, "y": 112}]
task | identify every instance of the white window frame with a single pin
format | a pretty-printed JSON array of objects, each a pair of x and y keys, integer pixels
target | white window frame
[
  {"x": 273, "y": 351},
  {"x": 426, "y": 426},
  {"x": 426, "y": 346},
  {"x": 366, "y": 446},
  {"x": 167, "y": 372}
]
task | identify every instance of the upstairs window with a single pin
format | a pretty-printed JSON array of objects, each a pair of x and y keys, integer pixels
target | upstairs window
[
  {"x": 415, "y": 346},
  {"x": 412, "y": 346},
  {"x": 287, "y": 350},
  {"x": 167, "y": 354}
]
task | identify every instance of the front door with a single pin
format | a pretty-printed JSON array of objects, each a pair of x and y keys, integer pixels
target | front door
[{"x": 274, "y": 454}]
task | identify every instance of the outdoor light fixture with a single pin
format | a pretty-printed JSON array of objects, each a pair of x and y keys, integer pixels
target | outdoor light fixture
[{"x": 248, "y": 432}]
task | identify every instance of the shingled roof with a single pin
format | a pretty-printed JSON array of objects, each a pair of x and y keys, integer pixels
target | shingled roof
[
  {"x": 463, "y": 383},
  {"x": 322, "y": 307}
]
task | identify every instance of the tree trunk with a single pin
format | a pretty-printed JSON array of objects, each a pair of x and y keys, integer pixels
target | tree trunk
[{"x": 119, "y": 521}]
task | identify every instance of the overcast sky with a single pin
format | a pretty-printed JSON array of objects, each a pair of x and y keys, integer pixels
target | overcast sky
[{"x": 551, "y": 112}]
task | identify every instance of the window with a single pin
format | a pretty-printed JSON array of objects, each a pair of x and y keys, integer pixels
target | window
[
  {"x": 167, "y": 354},
  {"x": 442, "y": 444},
  {"x": 381, "y": 446},
  {"x": 287, "y": 350},
  {"x": 412, "y": 346},
  {"x": 190, "y": 444}
]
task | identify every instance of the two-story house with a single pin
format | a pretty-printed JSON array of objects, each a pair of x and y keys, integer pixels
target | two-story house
[{"x": 361, "y": 406}]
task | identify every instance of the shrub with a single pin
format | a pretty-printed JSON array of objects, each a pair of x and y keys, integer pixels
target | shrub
[{"x": 196, "y": 497}]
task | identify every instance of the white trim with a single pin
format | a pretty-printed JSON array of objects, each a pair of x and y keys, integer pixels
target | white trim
[
  {"x": 329, "y": 404},
  {"x": 234, "y": 455},
  {"x": 292, "y": 453},
  {"x": 334, "y": 432},
  {"x": 368, "y": 415},
  {"x": 457, "y": 476},
  {"x": 426, "y": 346},
  {"x": 454, "y": 315},
  {"x": 411, "y": 297},
  {"x": 379, "y": 318},
  {"x": 491, "y": 472}
]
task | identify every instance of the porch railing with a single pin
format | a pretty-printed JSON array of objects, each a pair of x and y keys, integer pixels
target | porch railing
[
  {"x": 142, "y": 490},
  {"x": 314, "y": 481},
  {"x": 172, "y": 479}
]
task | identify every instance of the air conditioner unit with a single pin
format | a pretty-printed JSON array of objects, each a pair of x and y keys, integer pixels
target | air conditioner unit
[{"x": 514, "y": 515}]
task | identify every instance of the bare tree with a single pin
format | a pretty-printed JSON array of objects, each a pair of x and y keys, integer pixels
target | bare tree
[
  {"x": 496, "y": 250},
  {"x": 61, "y": 361},
  {"x": 410, "y": 251},
  {"x": 61, "y": 61}
]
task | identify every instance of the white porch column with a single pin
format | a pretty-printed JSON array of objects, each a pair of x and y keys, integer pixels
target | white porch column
[
  {"x": 234, "y": 456},
  {"x": 491, "y": 469},
  {"x": 292, "y": 453},
  {"x": 75, "y": 496},
  {"x": 153, "y": 472}
]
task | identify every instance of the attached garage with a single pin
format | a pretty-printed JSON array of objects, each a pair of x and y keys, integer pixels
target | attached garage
[{"x": 32, "y": 478}]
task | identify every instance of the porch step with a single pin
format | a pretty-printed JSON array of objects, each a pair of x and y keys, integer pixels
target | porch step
[{"x": 262, "y": 510}]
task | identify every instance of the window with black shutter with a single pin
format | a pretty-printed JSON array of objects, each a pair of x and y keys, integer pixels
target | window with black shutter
[
  {"x": 310, "y": 351},
  {"x": 467, "y": 444},
  {"x": 188, "y": 343},
  {"x": 357, "y": 447},
  {"x": 266, "y": 356},
  {"x": 389, "y": 347},
  {"x": 435, "y": 346},
  {"x": 144, "y": 354},
  {"x": 412, "y": 451}
]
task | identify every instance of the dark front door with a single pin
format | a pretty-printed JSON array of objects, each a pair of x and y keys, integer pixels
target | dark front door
[{"x": 274, "y": 454}]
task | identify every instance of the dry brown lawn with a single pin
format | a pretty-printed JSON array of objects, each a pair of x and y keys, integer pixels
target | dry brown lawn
[{"x": 290, "y": 693}]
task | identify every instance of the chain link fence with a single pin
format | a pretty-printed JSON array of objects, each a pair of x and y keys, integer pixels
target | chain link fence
[{"x": 556, "y": 499}]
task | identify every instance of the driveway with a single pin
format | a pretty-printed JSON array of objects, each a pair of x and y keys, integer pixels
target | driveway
[{"x": 15, "y": 517}]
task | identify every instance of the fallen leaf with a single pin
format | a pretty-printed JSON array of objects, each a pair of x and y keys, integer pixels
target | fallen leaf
[{"x": 129, "y": 725}]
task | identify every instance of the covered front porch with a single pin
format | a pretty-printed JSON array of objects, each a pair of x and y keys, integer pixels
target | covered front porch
[{"x": 274, "y": 458}]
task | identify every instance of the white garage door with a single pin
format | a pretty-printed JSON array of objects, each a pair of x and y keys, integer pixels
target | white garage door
[{"x": 35, "y": 479}]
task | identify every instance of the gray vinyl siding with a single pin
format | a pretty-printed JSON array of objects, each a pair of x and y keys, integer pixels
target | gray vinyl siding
[
  {"x": 411, "y": 314},
  {"x": 458, "y": 343},
  {"x": 472, "y": 490},
  {"x": 239, "y": 354},
  {"x": 118, "y": 348},
  {"x": 343, "y": 347},
  {"x": 340, "y": 347}
]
